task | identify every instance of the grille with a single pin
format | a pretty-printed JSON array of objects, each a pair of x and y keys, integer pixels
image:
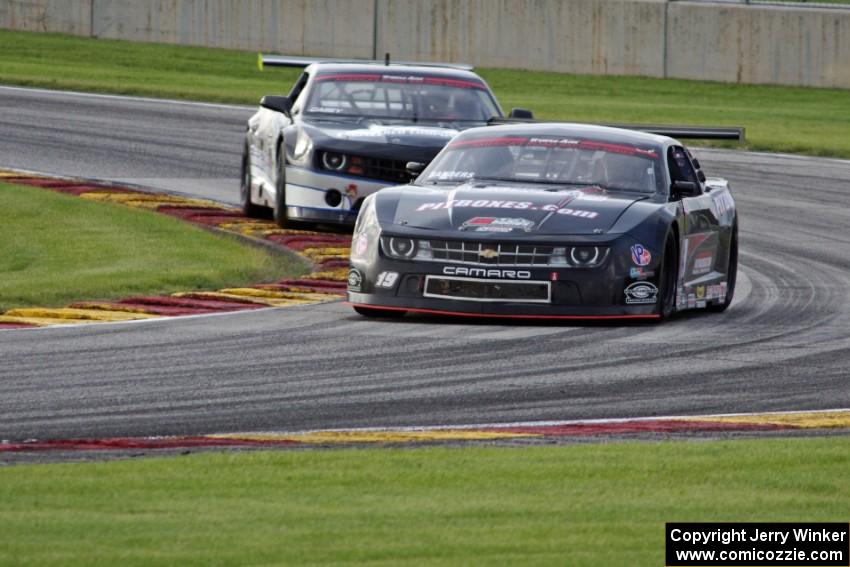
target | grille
[
  {"x": 491, "y": 254},
  {"x": 487, "y": 290},
  {"x": 386, "y": 169}
]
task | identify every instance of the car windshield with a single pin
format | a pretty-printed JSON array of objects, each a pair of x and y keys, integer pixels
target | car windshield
[
  {"x": 410, "y": 97},
  {"x": 547, "y": 159}
]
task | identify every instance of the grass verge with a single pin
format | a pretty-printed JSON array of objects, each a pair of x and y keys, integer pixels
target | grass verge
[
  {"x": 787, "y": 119},
  {"x": 55, "y": 249},
  {"x": 570, "y": 505}
]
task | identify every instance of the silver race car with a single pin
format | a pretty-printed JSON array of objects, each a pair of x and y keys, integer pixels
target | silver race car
[{"x": 347, "y": 129}]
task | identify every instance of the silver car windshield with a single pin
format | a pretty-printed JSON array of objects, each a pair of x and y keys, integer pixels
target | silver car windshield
[
  {"x": 401, "y": 96},
  {"x": 549, "y": 160}
]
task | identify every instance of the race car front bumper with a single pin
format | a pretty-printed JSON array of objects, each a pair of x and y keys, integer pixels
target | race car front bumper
[
  {"x": 323, "y": 197},
  {"x": 565, "y": 293}
]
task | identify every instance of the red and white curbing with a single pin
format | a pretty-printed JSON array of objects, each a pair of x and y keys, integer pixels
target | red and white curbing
[{"x": 837, "y": 419}]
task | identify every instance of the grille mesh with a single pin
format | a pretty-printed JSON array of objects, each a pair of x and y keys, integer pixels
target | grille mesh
[
  {"x": 386, "y": 169},
  {"x": 490, "y": 254}
]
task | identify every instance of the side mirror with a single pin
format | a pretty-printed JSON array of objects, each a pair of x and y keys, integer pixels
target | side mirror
[
  {"x": 521, "y": 113},
  {"x": 277, "y": 103},
  {"x": 695, "y": 161},
  {"x": 414, "y": 168},
  {"x": 684, "y": 188}
]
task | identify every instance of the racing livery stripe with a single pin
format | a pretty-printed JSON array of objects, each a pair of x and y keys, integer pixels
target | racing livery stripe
[
  {"x": 390, "y": 78},
  {"x": 552, "y": 142}
]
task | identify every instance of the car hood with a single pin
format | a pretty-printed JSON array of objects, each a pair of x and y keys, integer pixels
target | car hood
[
  {"x": 505, "y": 209},
  {"x": 393, "y": 140}
]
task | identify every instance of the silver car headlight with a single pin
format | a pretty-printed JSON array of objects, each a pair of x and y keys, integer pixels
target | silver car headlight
[
  {"x": 302, "y": 152},
  {"x": 367, "y": 231}
]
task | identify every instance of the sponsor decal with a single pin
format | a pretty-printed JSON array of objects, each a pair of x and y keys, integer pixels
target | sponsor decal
[
  {"x": 486, "y": 273},
  {"x": 494, "y": 204},
  {"x": 700, "y": 292},
  {"x": 717, "y": 291},
  {"x": 390, "y": 132},
  {"x": 641, "y": 293},
  {"x": 386, "y": 279},
  {"x": 591, "y": 197},
  {"x": 722, "y": 202},
  {"x": 640, "y": 255},
  {"x": 351, "y": 191},
  {"x": 571, "y": 212},
  {"x": 478, "y": 204},
  {"x": 325, "y": 109},
  {"x": 497, "y": 224},
  {"x": 355, "y": 279},
  {"x": 553, "y": 142},
  {"x": 703, "y": 263},
  {"x": 692, "y": 301},
  {"x": 451, "y": 174},
  {"x": 700, "y": 303},
  {"x": 640, "y": 273}
]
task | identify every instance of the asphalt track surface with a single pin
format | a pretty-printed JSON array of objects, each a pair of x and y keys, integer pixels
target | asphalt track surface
[{"x": 783, "y": 345}]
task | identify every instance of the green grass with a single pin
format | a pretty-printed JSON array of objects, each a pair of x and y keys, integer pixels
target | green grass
[
  {"x": 55, "y": 249},
  {"x": 788, "y": 119},
  {"x": 570, "y": 505}
]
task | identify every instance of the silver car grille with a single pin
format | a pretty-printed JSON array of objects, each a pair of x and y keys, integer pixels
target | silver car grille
[{"x": 489, "y": 253}]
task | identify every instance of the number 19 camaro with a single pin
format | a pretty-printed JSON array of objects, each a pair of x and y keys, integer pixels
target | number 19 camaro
[{"x": 549, "y": 221}]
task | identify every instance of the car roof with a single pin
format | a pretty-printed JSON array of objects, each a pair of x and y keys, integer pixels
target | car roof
[
  {"x": 588, "y": 131},
  {"x": 430, "y": 70}
]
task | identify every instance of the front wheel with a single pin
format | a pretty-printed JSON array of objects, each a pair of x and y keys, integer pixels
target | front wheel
[
  {"x": 668, "y": 279},
  {"x": 731, "y": 275},
  {"x": 280, "y": 189},
  {"x": 249, "y": 209}
]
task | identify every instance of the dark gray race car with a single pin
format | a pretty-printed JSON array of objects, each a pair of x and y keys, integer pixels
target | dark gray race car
[{"x": 549, "y": 221}]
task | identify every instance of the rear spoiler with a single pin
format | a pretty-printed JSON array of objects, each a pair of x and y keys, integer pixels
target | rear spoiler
[
  {"x": 298, "y": 61},
  {"x": 673, "y": 131}
]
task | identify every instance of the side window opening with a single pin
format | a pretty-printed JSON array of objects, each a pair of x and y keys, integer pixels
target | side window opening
[
  {"x": 680, "y": 166},
  {"x": 298, "y": 87}
]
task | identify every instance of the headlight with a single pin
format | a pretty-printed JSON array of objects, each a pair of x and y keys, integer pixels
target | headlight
[
  {"x": 334, "y": 161},
  {"x": 301, "y": 154},
  {"x": 366, "y": 231},
  {"x": 578, "y": 256},
  {"x": 398, "y": 247},
  {"x": 584, "y": 255}
]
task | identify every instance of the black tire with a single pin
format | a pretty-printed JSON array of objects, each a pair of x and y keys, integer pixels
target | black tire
[
  {"x": 280, "y": 189},
  {"x": 249, "y": 209},
  {"x": 668, "y": 278},
  {"x": 731, "y": 275},
  {"x": 382, "y": 313}
]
